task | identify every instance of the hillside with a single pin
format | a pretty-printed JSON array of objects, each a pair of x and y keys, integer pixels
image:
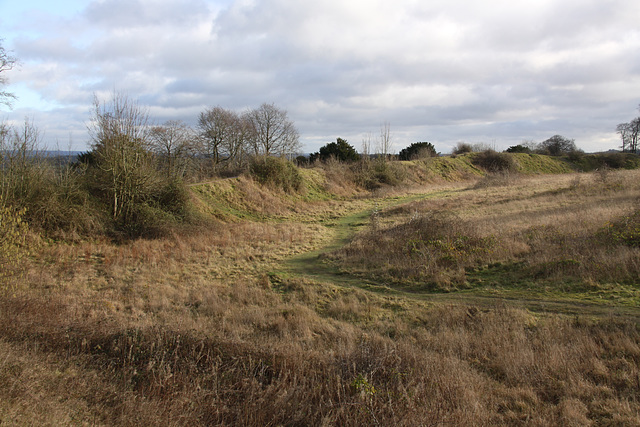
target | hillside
[
  {"x": 242, "y": 198},
  {"x": 410, "y": 293}
]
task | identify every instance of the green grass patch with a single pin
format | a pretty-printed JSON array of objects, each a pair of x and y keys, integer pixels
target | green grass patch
[{"x": 540, "y": 164}]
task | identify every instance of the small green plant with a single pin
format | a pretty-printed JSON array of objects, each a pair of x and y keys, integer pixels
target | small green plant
[
  {"x": 362, "y": 386},
  {"x": 625, "y": 231}
]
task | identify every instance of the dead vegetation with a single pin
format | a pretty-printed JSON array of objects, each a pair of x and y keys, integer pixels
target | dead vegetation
[
  {"x": 561, "y": 229},
  {"x": 198, "y": 328}
]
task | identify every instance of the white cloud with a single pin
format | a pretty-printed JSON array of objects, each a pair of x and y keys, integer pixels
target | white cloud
[{"x": 440, "y": 70}]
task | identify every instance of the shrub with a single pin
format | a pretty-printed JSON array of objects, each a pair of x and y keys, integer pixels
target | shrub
[
  {"x": 165, "y": 208},
  {"x": 13, "y": 232},
  {"x": 494, "y": 162},
  {"x": 625, "y": 231},
  {"x": 589, "y": 162},
  {"x": 462, "y": 148},
  {"x": 518, "y": 149},
  {"x": 276, "y": 172},
  {"x": 374, "y": 174},
  {"x": 418, "y": 150},
  {"x": 340, "y": 150}
]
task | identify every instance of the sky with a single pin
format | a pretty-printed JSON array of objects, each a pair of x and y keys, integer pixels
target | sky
[{"x": 496, "y": 72}]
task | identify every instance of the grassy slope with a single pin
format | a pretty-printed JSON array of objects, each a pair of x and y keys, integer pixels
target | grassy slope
[
  {"x": 342, "y": 218},
  {"x": 241, "y": 198},
  {"x": 230, "y": 326}
]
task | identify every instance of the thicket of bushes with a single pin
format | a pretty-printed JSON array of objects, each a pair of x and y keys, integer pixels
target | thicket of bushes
[
  {"x": 375, "y": 173},
  {"x": 590, "y": 162},
  {"x": 13, "y": 235},
  {"x": 494, "y": 162},
  {"x": 122, "y": 189},
  {"x": 276, "y": 172},
  {"x": 68, "y": 199}
]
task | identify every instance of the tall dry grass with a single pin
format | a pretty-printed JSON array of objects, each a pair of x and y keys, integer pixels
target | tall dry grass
[
  {"x": 246, "y": 357},
  {"x": 197, "y": 329},
  {"x": 574, "y": 228}
]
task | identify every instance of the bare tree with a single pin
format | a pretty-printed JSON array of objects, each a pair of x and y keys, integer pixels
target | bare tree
[
  {"x": 272, "y": 132},
  {"x": 557, "y": 145},
  {"x": 238, "y": 140},
  {"x": 172, "y": 142},
  {"x": 214, "y": 124},
  {"x": 634, "y": 130},
  {"x": 624, "y": 130},
  {"x": 120, "y": 133},
  {"x": 385, "y": 143},
  {"x": 225, "y": 135},
  {"x": 367, "y": 142},
  {"x": 20, "y": 162},
  {"x": 7, "y": 62},
  {"x": 630, "y": 133}
]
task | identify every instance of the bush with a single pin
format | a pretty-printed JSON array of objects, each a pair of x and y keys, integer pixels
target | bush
[
  {"x": 276, "y": 172},
  {"x": 418, "y": 150},
  {"x": 518, "y": 149},
  {"x": 590, "y": 162},
  {"x": 625, "y": 231},
  {"x": 462, "y": 148},
  {"x": 13, "y": 233},
  {"x": 167, "y": 207},
  {"x": 494, "y": 162},
  {"x": 374, "y": 174},
  {"x": 340, "y": 150}
]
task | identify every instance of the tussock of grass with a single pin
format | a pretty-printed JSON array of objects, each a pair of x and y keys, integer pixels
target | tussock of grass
[{"x": 429, "y": 248}]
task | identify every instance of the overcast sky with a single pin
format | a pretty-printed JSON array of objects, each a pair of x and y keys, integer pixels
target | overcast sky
[{"x": 496, "y": 72}]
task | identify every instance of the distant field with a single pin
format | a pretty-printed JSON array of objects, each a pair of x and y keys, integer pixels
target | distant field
[{"x": 458, "y": 298}]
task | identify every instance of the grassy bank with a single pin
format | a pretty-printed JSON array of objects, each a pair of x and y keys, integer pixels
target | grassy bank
[{"x": 460, "y": 298}]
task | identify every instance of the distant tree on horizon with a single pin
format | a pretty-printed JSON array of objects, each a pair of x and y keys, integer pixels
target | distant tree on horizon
[
  {"x": 557, "y": 145},
  {"x": 462, "y": 147},
  {"x": 272, "y": 132},
  {"x": 340, "y": 150},
  {"x": 629, "y": 133},
  {"x": 518, "y": 149},
  {"x": 418, "y": 150}
]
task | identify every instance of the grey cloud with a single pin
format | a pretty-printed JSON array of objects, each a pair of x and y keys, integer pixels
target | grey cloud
[
  {"x": 113, "y": 14},
  {"x": 439, "y": 70}
]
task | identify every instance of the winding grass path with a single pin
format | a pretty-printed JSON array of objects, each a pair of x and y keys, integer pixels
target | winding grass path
[{"x": 312, "y": 266}]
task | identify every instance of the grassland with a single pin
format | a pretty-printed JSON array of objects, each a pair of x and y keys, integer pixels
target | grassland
[{"x": 460, "y": 298}]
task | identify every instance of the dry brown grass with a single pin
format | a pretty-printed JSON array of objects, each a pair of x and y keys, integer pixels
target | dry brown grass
[
  {"x": 554, "y": 225},
  {"x": 243, "y": 356},
  {"x": 194, "y": 329}
]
